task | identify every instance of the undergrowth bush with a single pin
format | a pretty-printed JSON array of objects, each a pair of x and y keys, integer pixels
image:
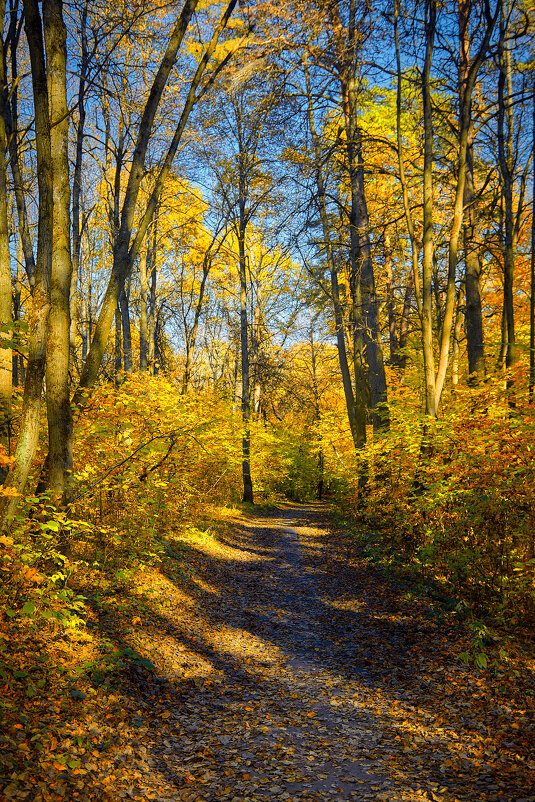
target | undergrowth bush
[{"x": 459, "y": 504}]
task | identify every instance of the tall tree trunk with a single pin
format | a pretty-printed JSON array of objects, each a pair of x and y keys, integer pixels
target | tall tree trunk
[
  {"x": 355, "y": 400},
  {"x": 11, "y": 116},
  {"x": 17, "y": 373},
  {"x": 428, "y": 239},
  {"x": 244, "y": 342},
  {"x": 402, "y": 176},
  {"x": 118, "y": 354},
  {"x": 532, "y": 277},
  {"x": 6, "y": 332},
  {"x": 77, "y": 181},
  {"x": 506, "y": 164},
  {"x": 365, "y": 309},
  {"x": 35, "y": 370},
  {"x": 143, "y": 319},
  {"x": 152, "y": 272},
  {"x": 58, "y": 342},
  {"x": 390, "y": 303},
  {"x": 473, "y": 315},
  {"x": 317, "y": 410},
  {"x": 256, "y": 344},
  {"x": 457, "y": 332}
]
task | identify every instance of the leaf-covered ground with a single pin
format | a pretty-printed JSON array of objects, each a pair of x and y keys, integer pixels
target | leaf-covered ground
[{"x": 285, "y": 667}]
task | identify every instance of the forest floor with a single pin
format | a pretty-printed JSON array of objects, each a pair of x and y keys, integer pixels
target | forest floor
[{"x": 285, "y": 668}]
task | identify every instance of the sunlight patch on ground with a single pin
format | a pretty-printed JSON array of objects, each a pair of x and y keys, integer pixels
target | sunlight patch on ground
[
  {"x": 343, "y": 604},
  {"x": 243, "y": 645},
  {"x": 173, "y": 660},
  {"x": 159, "y": 586},
  {"x": 215, "y": 549}
]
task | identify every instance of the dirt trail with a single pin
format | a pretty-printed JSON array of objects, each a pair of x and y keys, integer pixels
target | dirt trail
[
  {"x": 289, "y": 670},
  {"x": 302, "y": 678}
]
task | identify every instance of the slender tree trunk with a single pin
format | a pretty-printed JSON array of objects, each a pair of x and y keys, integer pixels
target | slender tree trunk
[
  {"x": 365, "y": 309},
  {"x": 404, "y": 321},
  {"x": 152, "y": 272},
  {"x": 35, "y": 370},
  {"x": 317, "y": 410},
  {"x": 355, "y": 400},
  {"x": 402, "y": 177},
  {"x": 457, "y": 333},
  {"x": 256, "y": 344},
  {"x": 118, "y": 359},
  {"x": 192, "y": 337},
  {"x": 428, "y": 238},
  {"x": 85, "y": 307},
  {"x": 473, "y": 314},
  {"x": 244, "y": 342},
  {"x": 127, "y": 333},
  {"x": 77, "y": 182},
  {"x": 11, "y": 116},
  {"x": 532, "y": 277},
  {"x": 506, "y": 164},
  {"x": 158, "y": 355},
  {"x": 390, "y": 303},
  {"x": 58, "y": 343},
  {"x": 17, "y": 374},
  {"x": 6, "y": 358},
  {"x": 143, "y": 319}
]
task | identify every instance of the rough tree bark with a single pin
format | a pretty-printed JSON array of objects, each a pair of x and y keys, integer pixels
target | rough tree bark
[
  {"x": 35, "y": 368},
  {"x": 58, "y": 341}
]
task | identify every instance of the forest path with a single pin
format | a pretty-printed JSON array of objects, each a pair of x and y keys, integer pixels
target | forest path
[{"x": 296, "y": 675}]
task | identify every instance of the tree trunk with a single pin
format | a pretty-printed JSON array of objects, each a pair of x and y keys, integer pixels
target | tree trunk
[
  {"x": 58, "y": 343},
  {"x": 404, "y": 322},
  {"x": 256, "y": 344},
  {"x": 457, "y": 333},
  {"x": 506, "y": 164},
  {"x": 192, "y": 337},
  {"x": 355, "y": 401},
  {"x": 365, "y": 310},
  {"x": 118, "y": 358},
  {"x": 6, "y": 332},
  {"x": 473, "y": 315},
  {"x": 244, "y": 343},
  {"x": 158, "y": 355},
  {"x": 11, "y": 116},
  {"x": 18, "y": 367},
  {"x": 127, "y": 333},
  {"x": 143, "y": 319},
  {"x": 402, "y": 177},
  {"x": 31, "y": 408},
  {"x": 390, "y": 303},
  {"x": 152, "y": 272},
  {"x": 77, "y": 183},
  {"x": 428, "y": 240},
  {"x": 532, "y": 271},
  {"x": 317, "y": 410}
]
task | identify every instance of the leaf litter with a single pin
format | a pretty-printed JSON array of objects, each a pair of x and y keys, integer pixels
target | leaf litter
[{"x": 285, "y": 668}]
